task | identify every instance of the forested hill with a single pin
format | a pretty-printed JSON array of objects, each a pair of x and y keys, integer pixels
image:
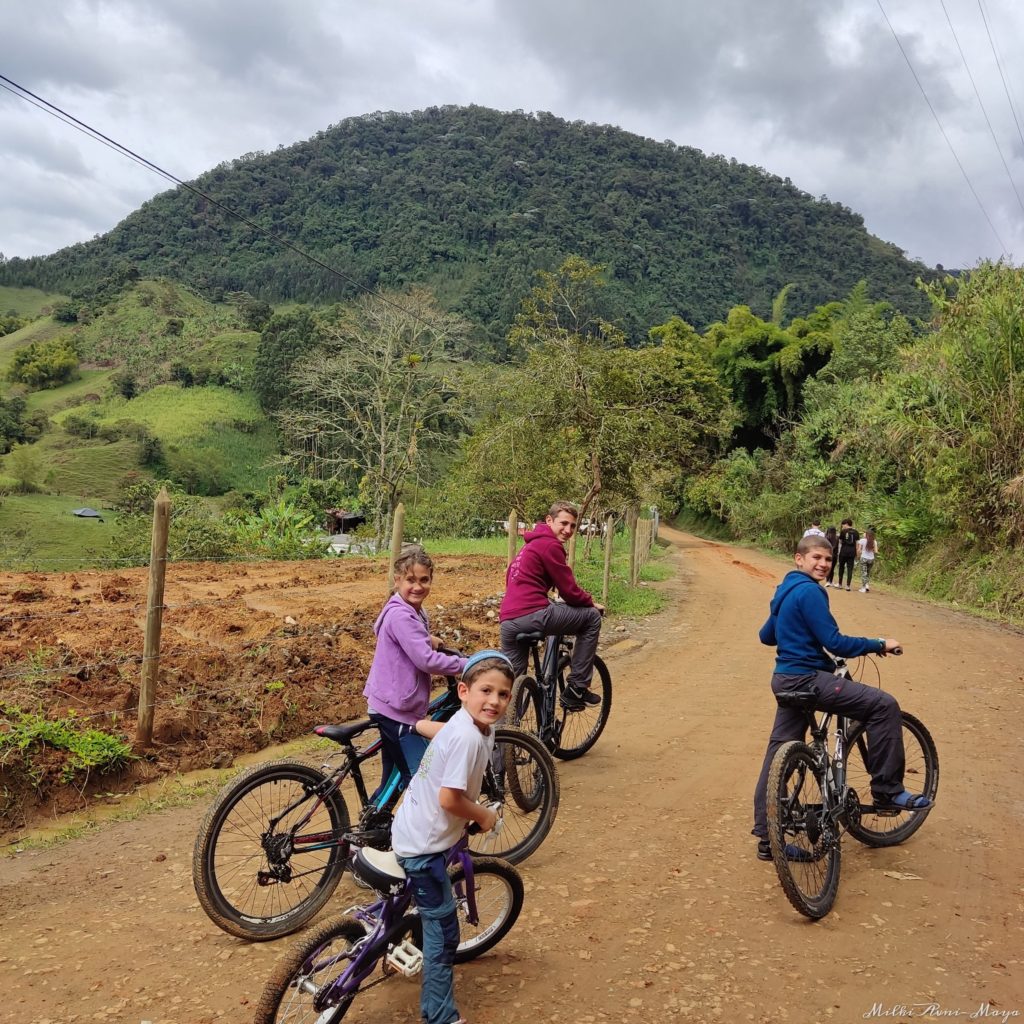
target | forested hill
[{"x": 472, "y": 201}]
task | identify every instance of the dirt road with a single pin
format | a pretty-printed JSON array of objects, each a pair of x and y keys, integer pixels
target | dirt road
[{"x": 646, "y": 903}]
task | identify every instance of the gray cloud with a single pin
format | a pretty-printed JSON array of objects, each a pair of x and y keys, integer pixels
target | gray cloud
[{"x": 816, "y": 92}]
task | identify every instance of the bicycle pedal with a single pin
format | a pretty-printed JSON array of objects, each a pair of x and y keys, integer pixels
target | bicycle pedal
[{"x": 406, "y": 959}]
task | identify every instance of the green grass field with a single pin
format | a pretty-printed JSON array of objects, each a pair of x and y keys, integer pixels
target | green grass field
[
  {"x": 27, "y": 301},
  {"x": 38, "y": 532},
  {"x": 91, "y": 382}
]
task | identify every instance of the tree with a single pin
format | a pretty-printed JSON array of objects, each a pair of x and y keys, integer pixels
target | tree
[
  {"x": 380, "y": 402},
  {"x": 587, "y": 415},
  {"x": 25, "y": 464}
]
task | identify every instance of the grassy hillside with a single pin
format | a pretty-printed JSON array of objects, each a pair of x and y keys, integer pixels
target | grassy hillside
[
  {"x": 27, "y": 301},
  {"x": 39, "y": 531}
]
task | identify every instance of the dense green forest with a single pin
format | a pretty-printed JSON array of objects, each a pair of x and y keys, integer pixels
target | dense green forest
[{"x": 471, "y": 202}]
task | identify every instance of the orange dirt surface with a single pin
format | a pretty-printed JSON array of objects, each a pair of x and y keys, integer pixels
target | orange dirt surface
[
  {"x": 251, "y": 654},
  {"x": 645, "y": 903}
]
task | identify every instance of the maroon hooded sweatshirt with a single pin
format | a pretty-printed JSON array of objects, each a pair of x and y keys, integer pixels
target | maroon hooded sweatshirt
[{"x": 539, "y": 566}]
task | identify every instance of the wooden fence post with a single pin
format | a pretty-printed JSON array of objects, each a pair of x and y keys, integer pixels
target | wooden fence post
[
  {"x": 397, "y": 532},
  {"x": 154, "y": 619},
  {"x": 609, "y": 537},
  {"x": 631, "y": 518},
  {"x": 570, "y": 556},
  {"x": 513, "y": 535}
]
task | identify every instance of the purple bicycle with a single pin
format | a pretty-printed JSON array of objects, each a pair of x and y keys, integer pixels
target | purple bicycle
[{"x": 317, "y": 981}]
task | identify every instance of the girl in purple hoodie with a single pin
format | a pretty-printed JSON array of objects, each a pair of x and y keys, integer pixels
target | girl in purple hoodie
[{"x": 398, "y": 686}]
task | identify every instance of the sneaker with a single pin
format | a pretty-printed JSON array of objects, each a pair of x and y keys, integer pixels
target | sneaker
[
  {"x": 847, "y": 586},
  {"x": 576, "y": 700},
  {"x": 764, "y": 850},
  {"x": 863, "y": 590}
]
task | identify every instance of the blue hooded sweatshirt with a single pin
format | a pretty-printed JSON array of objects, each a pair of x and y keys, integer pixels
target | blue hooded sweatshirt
[{"x": 801, "y": 628}]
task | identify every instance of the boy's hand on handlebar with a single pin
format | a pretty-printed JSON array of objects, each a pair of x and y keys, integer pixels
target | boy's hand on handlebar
[
  {"x": 893, "y": 647},
  {"x": 599, "y": 607},
  {"x": 488, "y": 818}
]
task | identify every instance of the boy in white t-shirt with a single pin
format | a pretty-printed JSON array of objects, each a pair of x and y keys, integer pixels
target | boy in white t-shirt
[{"x": 441, "y": 798}]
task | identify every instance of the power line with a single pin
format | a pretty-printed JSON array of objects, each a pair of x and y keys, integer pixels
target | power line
[
  {"x": 963, "y": 171},
  {"x": 62, "y": 115},
  {"x": 981, "y": 104},
  {"x": 999, "y": 64}
]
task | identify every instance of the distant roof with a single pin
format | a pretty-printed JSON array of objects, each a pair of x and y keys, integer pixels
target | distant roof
[{"x": 86, "y": 513}]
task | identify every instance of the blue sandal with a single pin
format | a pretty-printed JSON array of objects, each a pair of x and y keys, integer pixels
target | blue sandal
[{"x": 903, "y": 802}]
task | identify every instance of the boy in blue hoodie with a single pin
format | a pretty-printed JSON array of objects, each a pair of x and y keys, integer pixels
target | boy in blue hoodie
[
  {"x": 803, "y": 631},
  {"x": 398, "y": 687}
]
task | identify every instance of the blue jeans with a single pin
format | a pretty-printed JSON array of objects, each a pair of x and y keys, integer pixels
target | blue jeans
[
  {"x": 402, "y": 747},
  {"x": 433, "y": 894}
]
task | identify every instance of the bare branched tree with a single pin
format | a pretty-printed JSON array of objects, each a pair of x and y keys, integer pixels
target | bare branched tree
[{"x": 379, "y": 401}]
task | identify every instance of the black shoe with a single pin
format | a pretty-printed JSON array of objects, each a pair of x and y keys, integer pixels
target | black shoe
[
  {"x": 764, "y": 850},
  {"x": 577, "y": 700}
]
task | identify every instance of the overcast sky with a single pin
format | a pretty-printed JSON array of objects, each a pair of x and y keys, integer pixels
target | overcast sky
[{"x": 814, "y": 90}]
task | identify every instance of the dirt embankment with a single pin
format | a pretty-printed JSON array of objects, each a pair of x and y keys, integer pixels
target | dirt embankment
[{"x": 251, "y": 654}]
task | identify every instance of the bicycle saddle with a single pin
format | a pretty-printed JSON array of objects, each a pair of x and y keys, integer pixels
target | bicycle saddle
[
  {"x": 529, "y": 638},
  {"x": 344, "y": 733},
  {"x": 805, "y": 700}
]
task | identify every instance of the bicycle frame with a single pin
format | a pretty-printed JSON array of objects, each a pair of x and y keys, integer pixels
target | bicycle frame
[
  {"x": 545, "y": 672},
  {"x": 441, "y": 708},
  {"x": 384, "y": 921}
]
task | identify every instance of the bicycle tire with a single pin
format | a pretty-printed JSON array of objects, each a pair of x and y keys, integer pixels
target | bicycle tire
[
  {"x": 286, "y": 996},
  {"x": 796, "y": 822},
  {"x": 525, "y": 714},
  {"x": 499, "y": 901},
  {"x": 524, "y": 764},
  {"x": 579, "y": 730},
  {"x": 228, "y": 853},
  {"x": 922, "y": 766}
]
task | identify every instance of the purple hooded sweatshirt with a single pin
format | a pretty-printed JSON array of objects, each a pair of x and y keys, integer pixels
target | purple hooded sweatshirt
[{"x": 398, "y": 685}]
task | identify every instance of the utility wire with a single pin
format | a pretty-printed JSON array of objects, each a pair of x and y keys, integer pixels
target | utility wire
[
  {"x": 999, "y": 64},
  {"x": 981, "y": 104},
  {"x": 62, "y": 115},
  {"x": 963, "y": 171}
]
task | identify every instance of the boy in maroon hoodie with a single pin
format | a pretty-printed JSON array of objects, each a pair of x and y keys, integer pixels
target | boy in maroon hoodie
[{"x": 539, "y": 567}]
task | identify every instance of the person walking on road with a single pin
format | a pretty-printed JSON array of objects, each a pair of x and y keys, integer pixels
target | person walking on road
[
  {"x": 832, "y": 536},
  {"x": 867, "y": 548},
  {"x": 848, "y": 538}
]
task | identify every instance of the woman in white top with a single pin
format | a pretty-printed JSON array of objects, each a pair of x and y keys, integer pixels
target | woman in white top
[{"x": 867, "y": 548}]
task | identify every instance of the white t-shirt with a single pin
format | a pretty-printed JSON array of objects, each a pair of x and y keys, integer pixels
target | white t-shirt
[
  {"x": 862, "y": 548},
  {"x": 456, "y": 758}
]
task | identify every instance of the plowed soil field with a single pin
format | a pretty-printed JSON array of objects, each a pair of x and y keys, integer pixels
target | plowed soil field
[{"x": 250, "y": 655}]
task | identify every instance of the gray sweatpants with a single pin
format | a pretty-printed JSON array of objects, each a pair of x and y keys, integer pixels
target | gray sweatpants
[
  {"x": 557, "y": 620},
  {"x": 878, "y": 711}
]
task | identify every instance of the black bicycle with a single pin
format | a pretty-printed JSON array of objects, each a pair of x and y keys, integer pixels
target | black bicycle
[
  {"x": 537, "y": 700},
  {"x": 814, "y": 795},
  {"x": 277, "y": 839}
]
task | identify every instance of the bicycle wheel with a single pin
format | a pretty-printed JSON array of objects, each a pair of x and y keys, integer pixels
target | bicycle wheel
[
  {"x": 804, "y": 842},
  {"x": 890, "y": 828},
  {"x": 521, "y": 764},
  {"x": 499, "y": 899},
  {"x": 578, "y": 730},
  {"x": 261, "y": 884},
  {"x": 290, "y": 994},
  {"x": 524, "y": 714}
]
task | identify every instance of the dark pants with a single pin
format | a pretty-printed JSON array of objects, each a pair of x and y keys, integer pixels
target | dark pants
[
  {"x": 433, "y": 894},
  {"x": 557, "y": 620},
  {"x": 846, "y": 565},
  {"x": 878, "y": 711},
  {"x": 402, "y": 747}
]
